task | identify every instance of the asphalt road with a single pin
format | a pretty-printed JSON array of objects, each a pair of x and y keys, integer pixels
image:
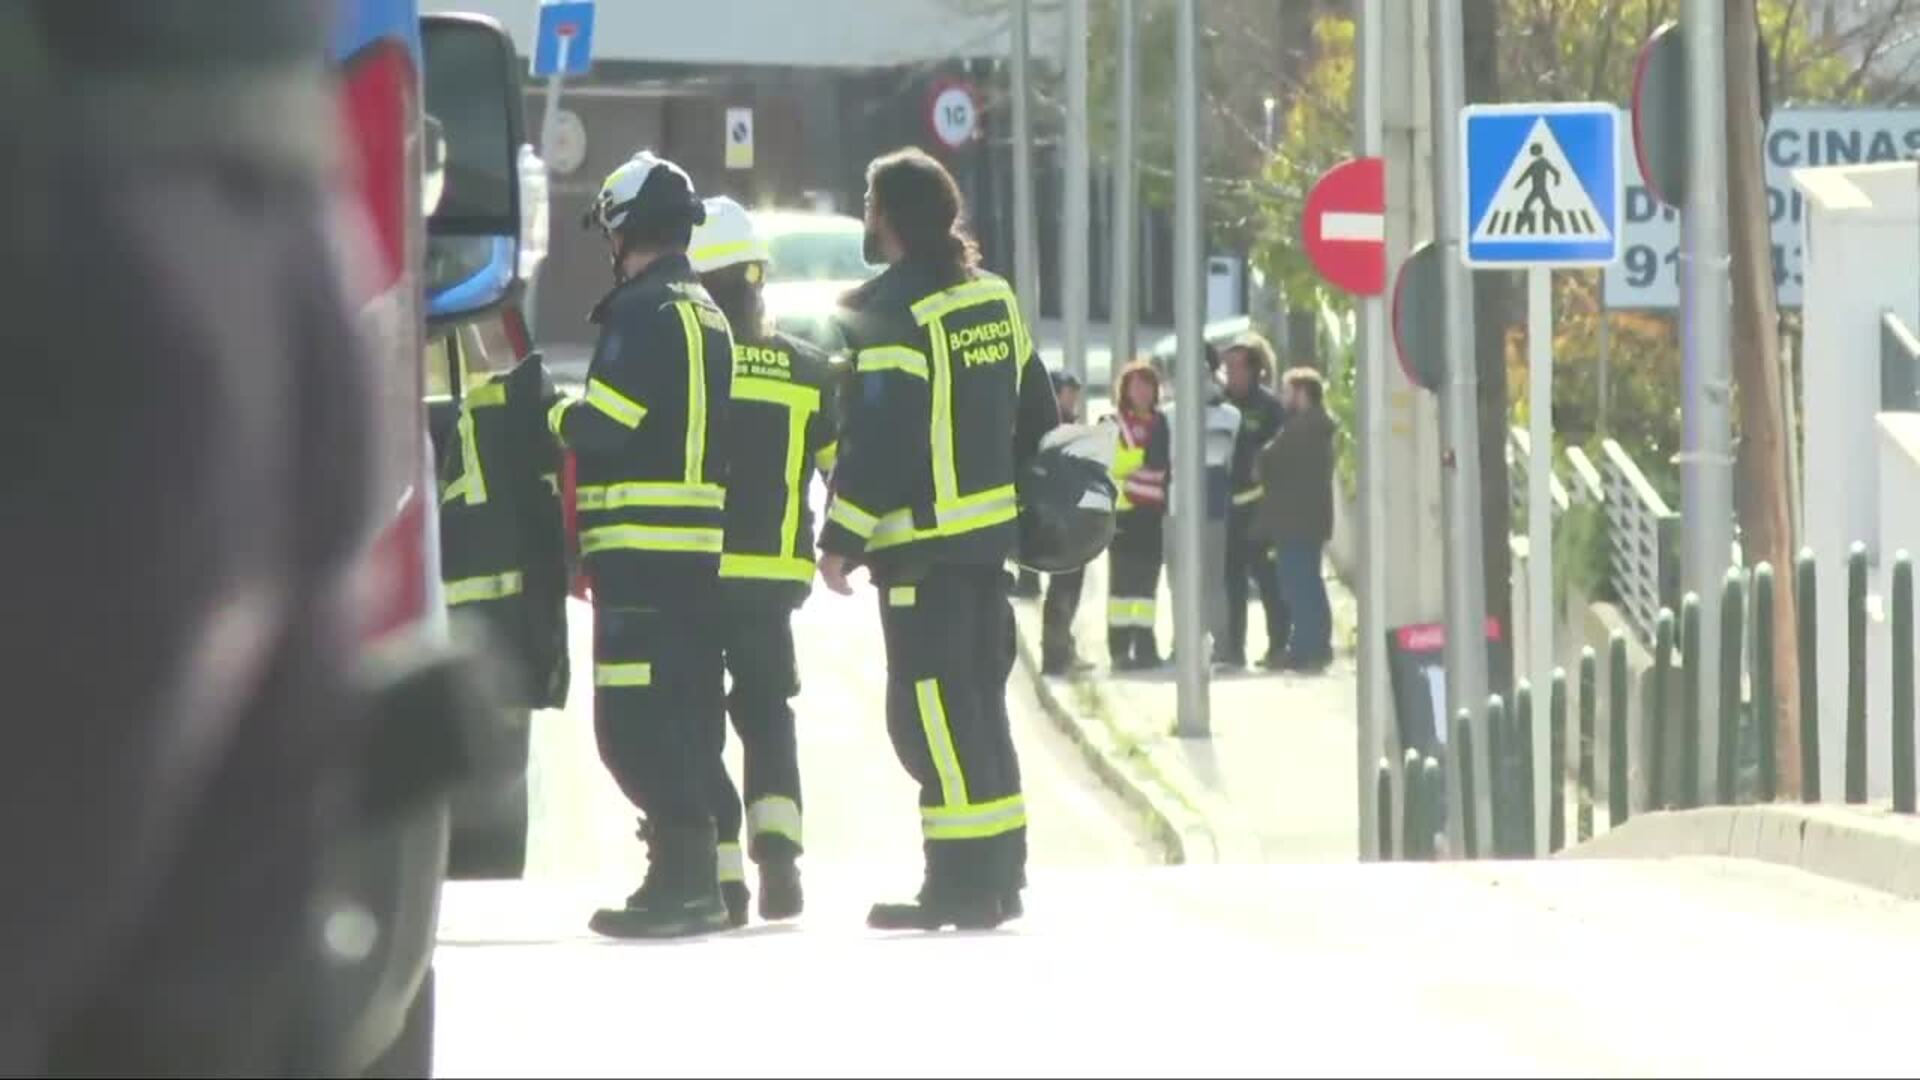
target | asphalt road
[{"x": 1689, "y": 968}]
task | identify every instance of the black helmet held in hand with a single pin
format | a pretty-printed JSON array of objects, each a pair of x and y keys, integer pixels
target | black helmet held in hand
[{"x": 1066, "y": 498}]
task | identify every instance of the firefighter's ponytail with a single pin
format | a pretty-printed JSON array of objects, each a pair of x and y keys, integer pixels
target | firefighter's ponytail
[{"x": 919, "y": 198}]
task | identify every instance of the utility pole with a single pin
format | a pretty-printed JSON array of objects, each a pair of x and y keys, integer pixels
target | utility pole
[
  {"x": 1466, "y": 585},
  {"x": 1075, "y": 180},
  {"x": 1126, "y": 211},
  {"x": 1026, "y": 253},
  {"x": 1706, "y": 460},
  {"x": 1370, "y": 445},
  {"x": 1766, "y": 518},
  {"x": 1190, "y": 375}
]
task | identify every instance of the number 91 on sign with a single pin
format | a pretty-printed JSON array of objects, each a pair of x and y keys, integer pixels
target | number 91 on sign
[{"x": 1644, "y": 267}]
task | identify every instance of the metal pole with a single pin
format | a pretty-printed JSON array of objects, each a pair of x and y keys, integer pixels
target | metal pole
[
  {"x": 1126, "y": 212},
  {"x": 1074, "y": 221},
  {"x": 1466, "y": 586},
  {"x": 1370, "y": 384},
  {"x": 1706, "y": 459},
  {"x": 548, "y": 119},
  {"x": 1026, "y": 254},
  {"x": 1540, "y": 528},
  {"x": 1190, "y": 375},
  {"x": 1606, "y": 366}
]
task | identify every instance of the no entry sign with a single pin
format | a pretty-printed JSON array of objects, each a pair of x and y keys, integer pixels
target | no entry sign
[{"x": 1344, "y": 226}]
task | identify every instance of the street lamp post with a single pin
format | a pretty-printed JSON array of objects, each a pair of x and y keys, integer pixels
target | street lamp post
[
  {"x": 1190, "y": 373},
  {"x": 1126, "y": 215},
  {"x": 1706, "y": 457},
  {"x": 1466, "y": 584},
  {"x": 1076, "y": 175},
  {"x": 1026, "y": 256}
]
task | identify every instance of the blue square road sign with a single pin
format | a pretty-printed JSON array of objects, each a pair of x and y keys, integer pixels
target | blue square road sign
[
  {"x": 563, "y": 41},
  {"x": 1543, "y": 185}
]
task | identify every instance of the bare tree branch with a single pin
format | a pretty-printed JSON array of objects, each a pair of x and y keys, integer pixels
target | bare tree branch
[
  {"x": 1609, "y": 22},
  {"x": 1871, "y": 55}
]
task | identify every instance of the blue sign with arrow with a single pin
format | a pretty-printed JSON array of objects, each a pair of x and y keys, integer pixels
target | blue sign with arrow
[
  {"x": 563, "y": 42},
  {"x": 1544, "y": 187}
]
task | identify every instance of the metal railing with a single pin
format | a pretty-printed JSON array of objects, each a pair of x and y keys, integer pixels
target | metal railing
[
  {"x": 1589, "y": 487},
  {"x": 1642, "y": 533},
  {"x": 1643, "y": 566},
  {"x": 1519, "y": 461},
  {"x": 1746, "y": 769}
]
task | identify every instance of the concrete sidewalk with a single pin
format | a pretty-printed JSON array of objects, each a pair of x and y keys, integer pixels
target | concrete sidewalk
[{"x": 1275, "y": 783}]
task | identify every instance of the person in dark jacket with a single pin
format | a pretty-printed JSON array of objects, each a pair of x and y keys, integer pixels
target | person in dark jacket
[
  {"x": 503, "y": 559},
  {"x": 1058, "y": 654},
  {"x": 1249, "y": 364},
  {"x": 951, "y": 402},
  {"x": 785, "y": 426},
  {"x": 1296, "y": 516},
  {"x": 1140, "y": 474},
  {"x": 650, "y": 437}
]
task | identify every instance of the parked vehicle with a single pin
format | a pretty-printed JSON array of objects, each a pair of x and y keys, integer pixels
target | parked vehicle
[
  {"x": 816, "y": 259},
  {"x": 467, "y": 169}
]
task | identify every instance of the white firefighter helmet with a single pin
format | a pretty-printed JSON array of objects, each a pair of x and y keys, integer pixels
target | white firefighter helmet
[
  {"x": 727, "y": 238},
  {"x": 646, "y": 187}
]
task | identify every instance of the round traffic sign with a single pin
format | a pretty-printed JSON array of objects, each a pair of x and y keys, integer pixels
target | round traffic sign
[
  {"x": 564, "y": 146},
  {"x": 1659, "y": 113},
  {"x": 953, "y": 114},
  {"x": 1418, "y": 322},
  {"x": 1344, "y": 226}
]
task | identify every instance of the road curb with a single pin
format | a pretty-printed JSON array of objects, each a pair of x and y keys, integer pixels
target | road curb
[
  {"x": 1181, "y": 834},
  {"x": 1871, "y": 847}
]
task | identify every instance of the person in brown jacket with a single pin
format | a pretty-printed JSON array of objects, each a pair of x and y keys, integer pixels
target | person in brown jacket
[{"x": 1296, "y": 515}]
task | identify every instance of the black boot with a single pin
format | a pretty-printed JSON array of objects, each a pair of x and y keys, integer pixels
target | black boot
[
  {"x": 946, "y": 899},
  {"x": 738, "y": 900},
  {"x": 780, "y": 894},
  {"x": 968, "y": 911},
  {"x": 681, "y": 894}
]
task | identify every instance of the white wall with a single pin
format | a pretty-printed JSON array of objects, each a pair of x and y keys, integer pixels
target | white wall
[
  {"x": 1899, "y": 435},
  {"x": 1862, "y": 260},
  {"x": 800, "y": 33}
]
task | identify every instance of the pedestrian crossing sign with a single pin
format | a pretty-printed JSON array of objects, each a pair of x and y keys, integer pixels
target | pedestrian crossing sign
[{"x": 1543, "y": 185}]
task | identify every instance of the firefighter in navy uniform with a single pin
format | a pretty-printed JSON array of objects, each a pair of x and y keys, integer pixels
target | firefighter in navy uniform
[
  {"x": 784, "y": 427},
  {"x": 649, "y": 437},
  {"x": 950, "y": 400},
  {"x": 503, "y": 558}
]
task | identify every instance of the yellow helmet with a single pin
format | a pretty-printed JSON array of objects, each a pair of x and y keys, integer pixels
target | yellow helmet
[{"x": 727, "y": 238}]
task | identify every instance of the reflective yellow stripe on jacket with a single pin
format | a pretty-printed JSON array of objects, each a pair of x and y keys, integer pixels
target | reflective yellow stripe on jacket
[
  {"x": 642, "y": 493},
  {"x": 801, "y": 403},
  {"x": 1127, "y": 460},
  {"x": 489, "y": 587},
  {"x": 650, "y": 538}
]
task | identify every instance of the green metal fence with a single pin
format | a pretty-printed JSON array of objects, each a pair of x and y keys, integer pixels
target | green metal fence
[{"x": 1746, "y": 767}]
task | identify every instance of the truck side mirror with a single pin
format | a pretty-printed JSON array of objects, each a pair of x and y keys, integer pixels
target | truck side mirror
[{"x": 488, "y": 228}]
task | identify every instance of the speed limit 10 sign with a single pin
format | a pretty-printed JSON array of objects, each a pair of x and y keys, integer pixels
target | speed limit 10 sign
[{"x": 954, "y": 114}]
